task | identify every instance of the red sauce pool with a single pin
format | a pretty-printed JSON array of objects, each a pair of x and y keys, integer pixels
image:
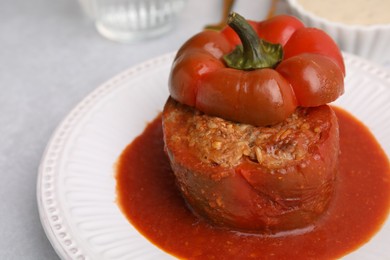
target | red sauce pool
[{"x": 148, "y": 197}]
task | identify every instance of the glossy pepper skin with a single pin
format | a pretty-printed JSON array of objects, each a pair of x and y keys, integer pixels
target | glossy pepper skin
[{"x": 310, "y": 73}]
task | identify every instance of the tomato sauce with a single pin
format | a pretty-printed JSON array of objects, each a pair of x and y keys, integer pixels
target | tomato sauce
[{"x": 148, "y": 197}]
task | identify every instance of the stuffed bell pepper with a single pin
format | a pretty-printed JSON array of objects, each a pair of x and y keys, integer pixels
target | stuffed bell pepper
[{"x": 251, "y": 141}]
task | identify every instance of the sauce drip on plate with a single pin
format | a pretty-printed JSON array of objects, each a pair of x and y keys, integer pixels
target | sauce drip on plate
[{"x": 150, "y": 200}]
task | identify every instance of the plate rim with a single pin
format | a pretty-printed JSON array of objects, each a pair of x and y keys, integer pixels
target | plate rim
[
  {"x": 65, "y": 128},
  {"x": 65, "y": 246}
]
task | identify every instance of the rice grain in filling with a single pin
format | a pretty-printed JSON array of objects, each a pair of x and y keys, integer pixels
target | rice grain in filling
[{"x": 217, "y": 141}]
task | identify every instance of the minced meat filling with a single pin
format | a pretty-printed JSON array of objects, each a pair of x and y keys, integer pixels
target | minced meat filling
[{"x": 218, "y": 141}]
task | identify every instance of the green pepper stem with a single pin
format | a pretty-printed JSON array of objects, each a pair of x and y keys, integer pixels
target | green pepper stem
[{"x": 254, "y": 53}]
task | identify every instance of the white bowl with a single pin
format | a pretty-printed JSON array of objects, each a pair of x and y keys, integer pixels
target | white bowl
[{"x": 369, "y": 41}]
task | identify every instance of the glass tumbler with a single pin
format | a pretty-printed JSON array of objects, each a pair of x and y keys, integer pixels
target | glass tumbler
[{"x": 133, "y": 20}]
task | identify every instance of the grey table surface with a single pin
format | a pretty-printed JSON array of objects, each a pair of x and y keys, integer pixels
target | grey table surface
[{"x": 50, "y": 58}]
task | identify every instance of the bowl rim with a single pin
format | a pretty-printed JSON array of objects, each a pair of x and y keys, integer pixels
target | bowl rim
[{"x": 294, "y": 4}]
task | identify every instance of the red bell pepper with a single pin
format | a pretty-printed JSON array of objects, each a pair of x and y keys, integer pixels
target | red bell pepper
[{"x": 257, "y": 72}]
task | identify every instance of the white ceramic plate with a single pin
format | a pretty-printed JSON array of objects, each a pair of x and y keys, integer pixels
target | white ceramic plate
[{"x": 76, "y": 185}]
